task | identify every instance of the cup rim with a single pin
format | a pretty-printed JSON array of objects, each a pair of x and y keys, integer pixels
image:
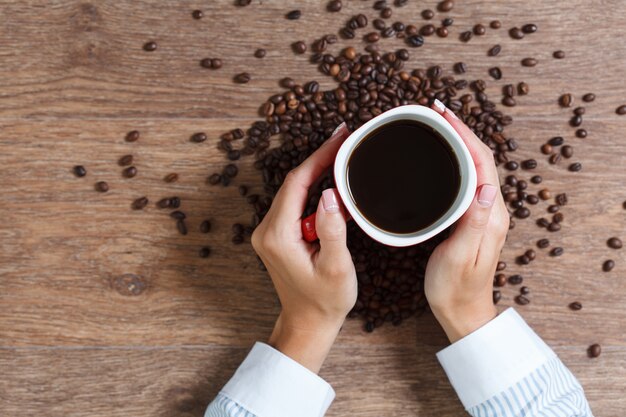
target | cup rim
[{"x": 467, "y": 187}]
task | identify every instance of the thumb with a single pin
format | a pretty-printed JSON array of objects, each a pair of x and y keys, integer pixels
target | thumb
[
  {"x": 330, "y": 225},
  {"x": 470, "y": 229}
]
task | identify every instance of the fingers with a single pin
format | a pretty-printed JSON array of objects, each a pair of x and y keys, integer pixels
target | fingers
[
  {"x": 481, "y": 154},
  {"x": 291, "y": 198},
  {"x": 331, "y": 230},
  {"x": 470, "y": 229}
]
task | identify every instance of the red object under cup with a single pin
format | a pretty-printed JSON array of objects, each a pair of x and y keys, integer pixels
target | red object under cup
[{"x": 308, "y": 228}]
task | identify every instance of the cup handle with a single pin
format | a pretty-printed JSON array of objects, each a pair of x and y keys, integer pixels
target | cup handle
[{"x": 308, "y": 228}]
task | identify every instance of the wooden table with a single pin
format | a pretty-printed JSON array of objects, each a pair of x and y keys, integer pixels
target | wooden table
[{"x": 106, "y": 311}]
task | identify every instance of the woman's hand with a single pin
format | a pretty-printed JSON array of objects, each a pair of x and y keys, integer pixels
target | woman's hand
[
  {"x": 316, "y": 282},
  {"x": 459, "y": 274}
]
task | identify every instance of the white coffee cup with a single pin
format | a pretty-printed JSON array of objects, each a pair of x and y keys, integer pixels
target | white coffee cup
[{"x": 467, "y": 172}]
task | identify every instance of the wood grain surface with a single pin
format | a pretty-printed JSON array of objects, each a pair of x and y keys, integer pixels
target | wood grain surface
[{"x": 106, "y": 311}]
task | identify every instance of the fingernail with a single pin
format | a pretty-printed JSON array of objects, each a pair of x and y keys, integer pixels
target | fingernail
[
  {"x": 487, "y": 195},
  {"x": 451, "y": 113},
  {"x": 440, "y": 106},
  {"x": 329, "y": 201},
  {"x": 338, "y": 129}
]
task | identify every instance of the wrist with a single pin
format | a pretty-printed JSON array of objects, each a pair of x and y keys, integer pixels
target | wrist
[
  {"x": 458, "y": 323},
  {"x": 307, "y": 345}
]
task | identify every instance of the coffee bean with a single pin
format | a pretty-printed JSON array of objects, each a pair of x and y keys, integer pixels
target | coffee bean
[
  {"x": 293, "y": 15},
  {"x": 415, "y": 41},
  {"x": 543, "y": 222},
  {"x": 231, "y": 170},
  {"x": 216, "y": 63},
  {"x": 546, "y": 149},
  {"x": 494, "y": 50},
  {"x": 428, "y": 14},
  {"x": 174, "y": 202},
  {"x": 524, "y": 290},
  {"x": 205, "y": 226},
  {"x": 523, "y": 260},
  {"x": 460, "y": 67},
  {"x": 566, "y": 100},
  {"x": 497, "y": 295},
  {"x": 182, "y": 227},
  {"x": 567, "y": 151},
  {"x": 479, "y": 29},
  {"x": 554, "y": 227},
  {"x": 214, "y": 179},
  {"x": 516, "y": 33},
  {"x": 576, "y": 120},
  {"x": 334, "y": 6},
  {"x": 500, "y": 280},
  {"x": 544, "y": 194},
  {"x": 243, "y": 3},
  {"x": 125, "y": 160},
  {"x": 529, "y": 62},
  {"x": 402, "y": 54},
  {"x": 575, "y": 305},
  {"x": 260, "y": 53},
  {"x": 553, "y": 208},
  {"x": 198, "y": 137},
  {"x": 164, "y": 203},
  {"x": 242, "y": 78},
  {"x": 466, "y": 36},
  {"x": 543, "y": 243},
  {"x": 532, "y": 199},
  {"x": 556, "y": 141},
  {"x": 558, "y": 218},
  {"x": 555, "y": 158},
  {"x": 509, "y": 101},
  {"x": 511, "y": 165},
  {"x": 361, "y": 20},
  {"x": 79, "y": 171},
  {"x": 558, "y": 54},
  {"x": 529, "y": 164},
  {"x": 140, "y": 203},
  {"x": 102, "y": 186},
  {"x": 594, "y": 350},
  {"x": 442, "y": 32},
  {"x": 132, "y": 136},
  {"x": 372, "y": 37},
  {"x": 581, "y": 133},
  {"x": 380, "y": 4},
  {"x": 445, "y": 6},
  {"x": 150, "y": 46},
  {"x": 129, "y": 172},
  {"x": 197, "y": 14},
  {"x": 558, "y": 251},
  {"x": 536, "y": 179},
  {"x": 589, "y": 97},
  {"x": 386, "y": 13},
  {"x": 515, "y": 279},
  {"x": 522, "y": 213},
  {"x": 522, "y": 300},
  {"x": 495, "y": 72},
  {"x": 448, "y": 21},
  {"x": 495, "y": 24},
  {"x": 204, "y": 252},
  {"x": 621, "y": 110},
  {"x": 608, "y": 265},
  {"x": 522, "y": 89},
  {"x": 614, "y": 243},
  {"x": 178, "y": 215},
  {"x": 501, "y": 266},
  {"x": 575, "y": 167},
  {"x": 529, "y": 28},
  {"x": 379, "y": 24},
  {"x": 579, "y": 111}
]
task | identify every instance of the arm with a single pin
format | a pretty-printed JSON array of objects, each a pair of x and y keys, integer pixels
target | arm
[
  {"x": 497, "y": 365},
  {"x": 316, "y": 284}
]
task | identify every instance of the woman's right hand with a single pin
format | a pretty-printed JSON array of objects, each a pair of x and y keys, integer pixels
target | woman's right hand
[{"x": 459, "y": 274}]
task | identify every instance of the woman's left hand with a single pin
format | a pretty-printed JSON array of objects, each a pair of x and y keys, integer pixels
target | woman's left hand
[{"x": 316, "y": 282}]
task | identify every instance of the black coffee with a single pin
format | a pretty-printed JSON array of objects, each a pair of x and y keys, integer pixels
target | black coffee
[{"x": 403, "y": 177}]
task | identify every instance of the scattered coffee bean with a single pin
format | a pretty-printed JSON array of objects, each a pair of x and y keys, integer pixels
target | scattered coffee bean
[
  {"x": 575, "y": 167},
  {"x": 579, "y": 111},
  {"x": 334, "y": 6},
  {"x": 532, "y": 199},
  {"x": 372, "y": 37},
  {"x": 589, "y": 97},
  {"x": 566, "y": 100},
  {"x": 499, "y": 280},
  {"x": 581, "y": 133},
  {"x": 529, "y": 62},
  {"x": 509, "y": 101},
  {"x": 479, "y": 29},
  {"x": 415, "y": 41},
  {"x": 198, "y": 137},
  {"x": 129, "y": 172},
  {"x": 174, "y": 202},
  {"x": 428, "y": 14},
  {"x": 379, "y": 24},
  {"x": 575, "y": 305},
  {"x": 614, "y": 243},
  {"x": 497, "y": 295},
  {"x": 494, "y": 50},
  {"x": 164, "y": 203},
  {"x": 442, "y": 32},
  {"x": 522, "y": 89},
  {"x": 536, "y": 179},
  {"x": 558, "y": 217},
  {"x": 544, "y": 194},
  {"x": 178, "y": 215},
  {"x": 243, "y": 3},
  {"x": 204, "y": 252},
  {"x": 555, "y": 158},
  {"x": 125, "y": 160},
  {"x": 386, "y": 13},
  {"x": 543, "y": 243},
  {"x": 516, "y": 33},
  {"x": 172, "y": 177},
  {"x": 594, "y": 350},
  {"x": 523, "y": 260},
  {"x": 102, "y": 186},
  {"x": 529, "y": 164},
  {"x": 216, "y": 63},
  {"x": 567, "y": 151},
  {"x": 543, "y": 222},
  {"x": 556, "y": 141},
  {"x": 522, "y": 300},
  {"x": 466, "y": 36},
  {"x": 554, "y": 227},
  {"x": 558, "y": 54},
  {"x": 621, "y": 110},
  {"x": 546, "y": 149},
  {"x": 553, "y": 208},
  {"x": 181, "y": 226},
  {"x": 448, "y": 21},
  {"x": 242, "y": 78},
  {"x": 460, "y": 67},
  {"x": 150, "y": 46},
  {"x": 529, "y": 28},
  {"x": 214, "y": 179},
  {"x": 495, "y": 24},
  {"x": 495, "y": 72},
  {"x": 260, "y": 53},
  {"x": 558, "y": 251},
  {"x": 522, "y": 213},
  {"x": 561, "y": 199},
  {"x": 79, "y": 171},
  {"x": 445, "y": 6},
  {"x": 197, "y": 14},
  {"x": 140, "y": 203},
  {"x": 293, "y": 15},
  {"x": 608, "y": 265},
  {"x": 205, "y": 226},
  {"x": 515, "y": 279},
  {"x": 132, "y": 136},
  {"x": 511, "y": 165},
  {"x": 531, "y": 254},
  {"x": 501, "y": 266},
  {"x": 524, "y": 290}
]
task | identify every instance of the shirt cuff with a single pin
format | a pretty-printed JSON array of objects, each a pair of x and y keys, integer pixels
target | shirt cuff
[
  {"x": 493, "y": 358},
  {"x": 271, "y": 384}
]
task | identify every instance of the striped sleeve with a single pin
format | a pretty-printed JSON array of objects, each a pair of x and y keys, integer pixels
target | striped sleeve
[
  {"x": 222, "y": 406},
  {"x": 504, "y": 369}
]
